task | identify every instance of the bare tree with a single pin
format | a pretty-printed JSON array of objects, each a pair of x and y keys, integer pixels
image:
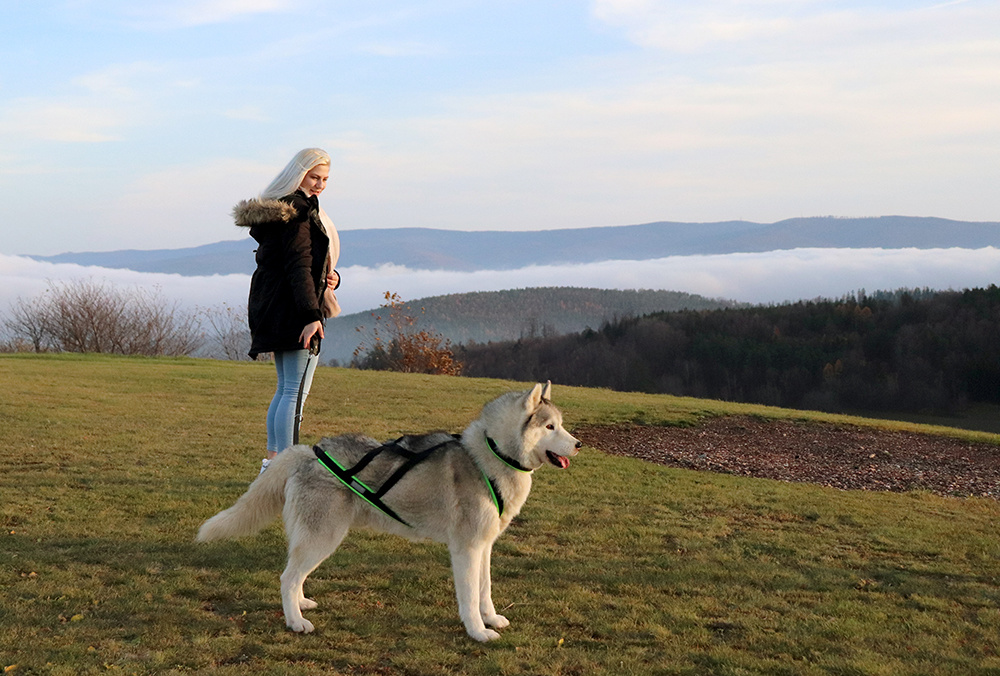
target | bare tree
[
  {"x": 88, "y": 316},
  {"x": 228, "y": 335},
  {"x": 25, "y": 325}
]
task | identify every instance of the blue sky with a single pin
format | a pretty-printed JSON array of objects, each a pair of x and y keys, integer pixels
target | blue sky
[{"x": 138, "y": 125}]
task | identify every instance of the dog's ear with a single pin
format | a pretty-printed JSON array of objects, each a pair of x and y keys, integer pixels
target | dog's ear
[
  {"x": 547, "y": 390},
  {"x": 534, "y": 399}
]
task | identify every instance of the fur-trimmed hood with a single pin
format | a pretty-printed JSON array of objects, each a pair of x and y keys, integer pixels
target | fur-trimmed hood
[
  {"x": 248, "y": 213},
  {"x": 269, "y": 211}
]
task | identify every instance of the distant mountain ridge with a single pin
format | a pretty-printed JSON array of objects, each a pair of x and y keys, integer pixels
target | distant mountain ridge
[{"x": 432, "y": 249}]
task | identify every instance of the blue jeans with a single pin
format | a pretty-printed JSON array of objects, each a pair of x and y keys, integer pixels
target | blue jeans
[{"x": 284, "y": 415}]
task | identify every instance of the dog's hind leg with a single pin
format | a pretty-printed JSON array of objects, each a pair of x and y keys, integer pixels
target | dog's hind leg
[
  {"x": 486, "y": 609},
  {"x": 306, "y": 550},
  {"x": 466, "y": 564}
]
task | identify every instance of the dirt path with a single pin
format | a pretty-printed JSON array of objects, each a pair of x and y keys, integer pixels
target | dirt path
[{"x": 846, "y": 457}]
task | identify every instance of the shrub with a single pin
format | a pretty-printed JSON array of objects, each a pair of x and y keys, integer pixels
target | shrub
[{"x": 394, "y": 344}]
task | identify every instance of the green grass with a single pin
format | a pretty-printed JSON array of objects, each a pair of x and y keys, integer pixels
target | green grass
[{"x": 614, "y": 566}]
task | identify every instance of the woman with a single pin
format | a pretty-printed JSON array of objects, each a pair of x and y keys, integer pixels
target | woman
[{"x": 291, "y": 292}]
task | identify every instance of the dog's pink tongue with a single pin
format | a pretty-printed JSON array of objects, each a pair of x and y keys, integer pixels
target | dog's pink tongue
[{"x": 557, "y": 460}]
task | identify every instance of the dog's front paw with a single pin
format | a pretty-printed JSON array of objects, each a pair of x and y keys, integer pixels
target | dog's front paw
[
  {"x": 301, "y": 625},
  {"x": 307, "y": 604},
  {"x": 484, "y": 635},
  {"x": 496, "y": 621}
]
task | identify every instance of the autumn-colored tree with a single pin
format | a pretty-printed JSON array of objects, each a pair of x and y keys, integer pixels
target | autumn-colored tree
[{"x": 394, "y": 343}]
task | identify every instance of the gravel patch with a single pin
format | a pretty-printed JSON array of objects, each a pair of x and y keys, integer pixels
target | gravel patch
[{"x": 839, "y": 456}]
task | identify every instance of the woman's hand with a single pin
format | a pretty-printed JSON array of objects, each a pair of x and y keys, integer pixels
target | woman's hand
[
  {"x": 311, "y": 329},
  {"x": 332, "y": 280}
]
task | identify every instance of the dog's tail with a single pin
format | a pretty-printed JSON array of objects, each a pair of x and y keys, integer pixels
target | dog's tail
[{"x": 256, "y": 508}]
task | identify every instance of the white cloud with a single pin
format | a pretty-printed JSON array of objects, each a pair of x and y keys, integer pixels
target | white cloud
[
  {"x": 65, "y": 121},
  {"x": 24, "y": 278},
  {"x": 184, "y": 13},
  {"x": 121, "y": 81},
  {"x": 791, "y": 28},
  {"x": 771, "y": 277},
  {"x": 95, "y": 107}
]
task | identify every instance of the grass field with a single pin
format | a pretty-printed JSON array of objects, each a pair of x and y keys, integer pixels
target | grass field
[{"x": 613, "y": 567}]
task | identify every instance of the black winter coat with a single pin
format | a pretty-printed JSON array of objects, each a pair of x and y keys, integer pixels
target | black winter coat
[{"x": 286, "y": 291}]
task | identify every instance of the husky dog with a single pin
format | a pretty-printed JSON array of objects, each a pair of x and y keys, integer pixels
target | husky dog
[{"x": 459, "y": 490}]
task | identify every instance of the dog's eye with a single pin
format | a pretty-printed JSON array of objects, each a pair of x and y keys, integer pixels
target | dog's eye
[{"x": 550, "y": 426}]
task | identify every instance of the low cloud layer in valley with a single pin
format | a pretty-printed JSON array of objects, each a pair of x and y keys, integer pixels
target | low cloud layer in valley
[{"x": 770, "y": 277}]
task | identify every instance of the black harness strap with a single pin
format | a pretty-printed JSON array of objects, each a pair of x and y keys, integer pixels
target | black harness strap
[
  {"x": 357, "y": 487},
  {"x": 374, "y": 498}
]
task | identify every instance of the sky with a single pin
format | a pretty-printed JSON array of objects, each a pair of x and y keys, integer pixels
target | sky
[{"x": 128, "y": 125}]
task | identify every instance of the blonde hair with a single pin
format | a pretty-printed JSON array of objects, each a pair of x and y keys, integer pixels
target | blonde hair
[{"x": 290, "y": 178}]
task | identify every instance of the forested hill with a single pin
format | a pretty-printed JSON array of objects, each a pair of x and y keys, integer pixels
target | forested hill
[
  {"x": 508, "y": 315},
  {"x": 909, "y": 351}
]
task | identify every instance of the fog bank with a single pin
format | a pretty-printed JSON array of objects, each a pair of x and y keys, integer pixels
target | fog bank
[{"x": 771, "y": 277}]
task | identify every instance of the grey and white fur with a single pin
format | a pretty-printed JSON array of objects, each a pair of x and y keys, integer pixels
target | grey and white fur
[{"x": 444, "y": 498}]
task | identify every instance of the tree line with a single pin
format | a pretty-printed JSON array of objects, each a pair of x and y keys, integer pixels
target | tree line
[
  {"x": 85, "y": 315},
  {"x": 913, "y": 350},
  {"x": 906, "y": 350},
  {"x": 98, "y": 317}
]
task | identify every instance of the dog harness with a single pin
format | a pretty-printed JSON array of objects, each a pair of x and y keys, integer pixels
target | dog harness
[{"x": 374, "y": 497}]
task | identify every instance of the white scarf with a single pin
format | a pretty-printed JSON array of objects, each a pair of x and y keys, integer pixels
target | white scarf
[{"x": 331, "y": 232}]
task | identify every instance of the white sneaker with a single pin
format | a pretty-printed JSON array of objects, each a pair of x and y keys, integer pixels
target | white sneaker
[{"x": 263, "y": 465}]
